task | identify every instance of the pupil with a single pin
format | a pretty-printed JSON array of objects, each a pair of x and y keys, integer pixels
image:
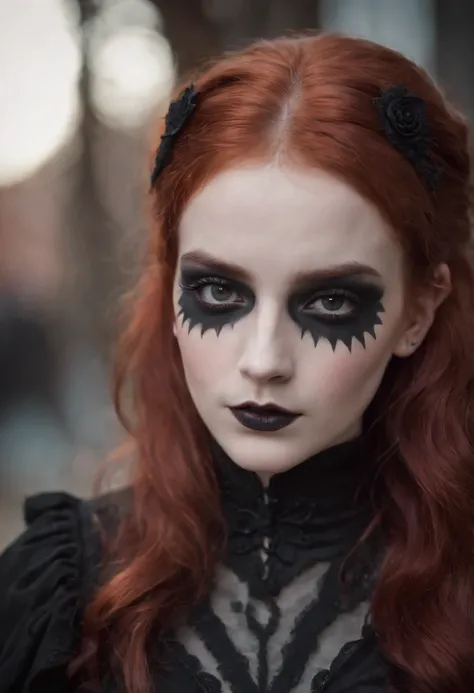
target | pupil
[
  {"x": 333, "y": 302},
  {"x": 220, "y": 293}
]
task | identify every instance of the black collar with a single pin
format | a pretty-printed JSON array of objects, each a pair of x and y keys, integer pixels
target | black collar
[{"x": 313, "y": 512}]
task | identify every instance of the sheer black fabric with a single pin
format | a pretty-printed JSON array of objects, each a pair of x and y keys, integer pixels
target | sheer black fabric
[{"x": 278, "y": 620}]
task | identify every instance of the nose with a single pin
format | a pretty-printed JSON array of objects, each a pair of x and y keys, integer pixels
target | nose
[{"x": 267, "y": 353}]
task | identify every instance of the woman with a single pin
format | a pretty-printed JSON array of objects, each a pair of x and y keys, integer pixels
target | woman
[{"x": 300, "y": 516}]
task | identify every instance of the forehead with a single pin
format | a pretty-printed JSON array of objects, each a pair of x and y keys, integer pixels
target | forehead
[{"x": 278, "y": 220}]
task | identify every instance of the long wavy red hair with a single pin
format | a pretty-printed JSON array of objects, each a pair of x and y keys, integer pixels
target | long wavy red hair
[{"x": 309, "y": 101}]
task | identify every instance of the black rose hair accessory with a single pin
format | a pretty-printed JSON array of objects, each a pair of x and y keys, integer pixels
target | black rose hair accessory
[
  {"x": 178, "y": 115},
  {"x": 405, "y": 124}
]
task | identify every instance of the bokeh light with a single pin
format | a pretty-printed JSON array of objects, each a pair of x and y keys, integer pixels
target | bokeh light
[
  {"x": 131, "y": 63},
  {"x": 41, "y": 62}
]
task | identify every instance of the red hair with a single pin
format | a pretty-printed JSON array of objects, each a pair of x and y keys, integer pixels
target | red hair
[{"x": 309, "y": 100}]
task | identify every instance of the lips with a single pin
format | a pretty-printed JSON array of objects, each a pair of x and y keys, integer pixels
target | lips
[{"x": 266, "y": 417}]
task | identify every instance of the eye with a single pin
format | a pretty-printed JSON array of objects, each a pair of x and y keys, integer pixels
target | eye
[
  {"x": 214, "y": 293},
  {"x": 333, "y": 305}
]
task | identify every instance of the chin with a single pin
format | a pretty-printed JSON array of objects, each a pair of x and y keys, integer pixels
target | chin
[{"x": 264, "y": 454}]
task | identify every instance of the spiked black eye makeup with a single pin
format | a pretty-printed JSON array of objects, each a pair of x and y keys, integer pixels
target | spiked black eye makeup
[
  {"x": 339, "y": 309},
  {"x": 212, "y": 300}
]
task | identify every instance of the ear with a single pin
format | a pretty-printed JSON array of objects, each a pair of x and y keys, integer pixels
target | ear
[
  {"x": 175, "y": 330},
  {"x": 423, "y": 311}
]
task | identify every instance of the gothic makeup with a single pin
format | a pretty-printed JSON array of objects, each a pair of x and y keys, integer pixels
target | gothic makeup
[
  {"x": 212, "y": 300},
  {"x": 289, "y": 298},
  {"x": 336, "y": 308},
  {"x": 340, "y": 309}
]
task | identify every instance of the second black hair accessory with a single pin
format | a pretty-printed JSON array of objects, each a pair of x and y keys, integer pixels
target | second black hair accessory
[
  {"x": 178, "y": 115},
  {"x": 405, "y": 123}
]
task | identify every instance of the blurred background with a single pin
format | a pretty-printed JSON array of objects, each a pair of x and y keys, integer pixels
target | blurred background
[{"x": 80, "y": 83}]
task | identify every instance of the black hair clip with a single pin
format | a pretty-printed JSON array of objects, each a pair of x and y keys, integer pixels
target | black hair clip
[
  {"x": 405, "y": 125},
  {"x": 178, "y": 115}
]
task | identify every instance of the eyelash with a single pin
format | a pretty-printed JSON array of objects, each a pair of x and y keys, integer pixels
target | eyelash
[
  {"x": 201, "y": 283},
  {"x": 334, "y": 293}
]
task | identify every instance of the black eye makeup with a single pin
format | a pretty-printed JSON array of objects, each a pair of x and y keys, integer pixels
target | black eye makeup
[
  {"x": 212, "y": 300},
  {"x": 336, "y": 308},
  {"x": 339, "y": 309}
]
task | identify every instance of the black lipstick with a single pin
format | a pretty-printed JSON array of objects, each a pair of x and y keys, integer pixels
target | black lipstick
[{"x": 263, "y": 417}]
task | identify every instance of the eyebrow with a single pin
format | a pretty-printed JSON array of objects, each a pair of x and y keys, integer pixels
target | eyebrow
[{"x": 203, "y": 259}]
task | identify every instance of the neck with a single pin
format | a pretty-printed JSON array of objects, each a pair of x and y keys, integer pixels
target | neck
[{"x": 337, "y": 446}]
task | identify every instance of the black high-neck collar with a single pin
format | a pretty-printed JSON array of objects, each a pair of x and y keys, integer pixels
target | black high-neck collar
[
  {"x": 315, "y": 511},
  {"x": 335, "y": 480}
]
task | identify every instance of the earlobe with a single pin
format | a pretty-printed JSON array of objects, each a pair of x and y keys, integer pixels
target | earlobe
[{"x": 406, "y": 347}]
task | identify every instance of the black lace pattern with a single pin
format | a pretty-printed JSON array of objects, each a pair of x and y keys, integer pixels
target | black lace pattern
[{"x": 259, "y": 631}]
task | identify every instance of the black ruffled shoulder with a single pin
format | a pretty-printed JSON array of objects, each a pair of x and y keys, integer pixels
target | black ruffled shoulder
[{"x": 45, "y": 576}]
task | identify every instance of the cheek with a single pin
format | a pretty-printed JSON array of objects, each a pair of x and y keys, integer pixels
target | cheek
[
  {"x": 346, "y": 378},
  {"x": 351, "y": 369},
  {"x": 206, "y": 357},
  {"x": 356, "y": 374}
]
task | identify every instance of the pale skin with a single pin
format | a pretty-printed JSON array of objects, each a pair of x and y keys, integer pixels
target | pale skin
[{"x": 275, "y": 223}]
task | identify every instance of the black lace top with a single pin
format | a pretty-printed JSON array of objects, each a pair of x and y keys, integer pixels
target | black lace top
[{"x": 286, "y": 613}]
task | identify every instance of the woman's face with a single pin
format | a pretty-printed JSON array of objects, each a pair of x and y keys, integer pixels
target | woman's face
[{"x": 288, "y": 292}]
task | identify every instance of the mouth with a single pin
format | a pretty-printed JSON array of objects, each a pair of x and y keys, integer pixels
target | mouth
[{"x": 263, "y": 417}]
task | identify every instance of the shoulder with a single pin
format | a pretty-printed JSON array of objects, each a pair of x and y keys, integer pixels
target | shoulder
[{"x": 46, "y": 579}]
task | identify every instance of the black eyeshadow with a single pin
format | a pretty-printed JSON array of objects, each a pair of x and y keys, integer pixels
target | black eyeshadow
[
  {"x": 363, "y": 294},
  {"x": 367, "y": 305},
  {"x": 195, "y": 312}
]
